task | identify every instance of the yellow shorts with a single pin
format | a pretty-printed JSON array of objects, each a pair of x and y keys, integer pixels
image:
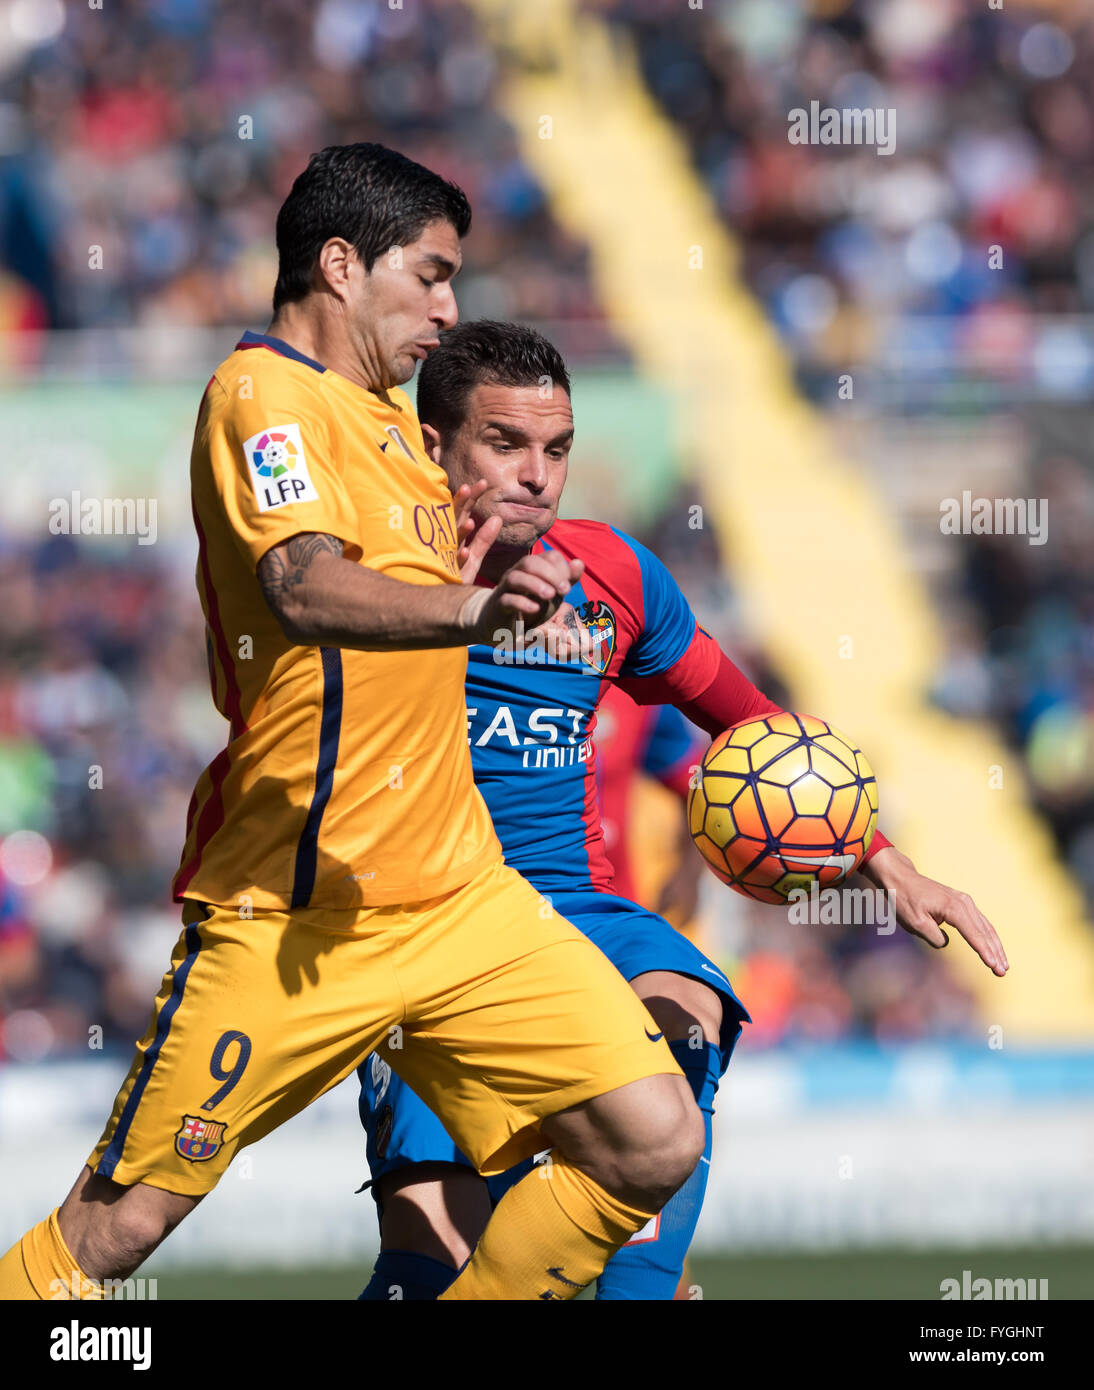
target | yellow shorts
[{"x": 494, "y": 1009}]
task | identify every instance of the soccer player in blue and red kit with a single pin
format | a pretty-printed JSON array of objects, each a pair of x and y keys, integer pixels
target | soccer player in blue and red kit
[{"x": 494, "y": 402}]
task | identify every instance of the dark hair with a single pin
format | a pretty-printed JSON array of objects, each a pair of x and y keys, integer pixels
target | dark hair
[
  {"x": 483, "y": 351},
  {"x": 374, "y": 197}
]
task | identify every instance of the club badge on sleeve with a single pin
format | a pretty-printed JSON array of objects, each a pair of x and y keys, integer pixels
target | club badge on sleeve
[{"x": 279, "y": 470}]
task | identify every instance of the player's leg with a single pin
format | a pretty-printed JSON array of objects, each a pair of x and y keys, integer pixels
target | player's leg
[
  {"x": 432, "y": 1216},
  {"x": 616, "y": 1161},
  {"x": 198, "y": 1090},
  {"x": 140, "y": 1218},
  {"x": 695, "y": 1007},
  {"x": 105, "y": 1229},
  {"x": 638, "y": 1141},
  {"x": 544, "y": 1025},
  {"x": 690, "y": 1014},
  {"x": 431, "y": 1204},
  {"x": 701, "y": 1024},
  {"x": 74, "y": 1250}
]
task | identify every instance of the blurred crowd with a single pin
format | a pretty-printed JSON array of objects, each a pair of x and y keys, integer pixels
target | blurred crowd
[
  {"x": 105, "y": 723},
  {"x": 1021, "y": 650},
  {"x": 166, "y": 133},
  {"x": 873, "y": 258}
]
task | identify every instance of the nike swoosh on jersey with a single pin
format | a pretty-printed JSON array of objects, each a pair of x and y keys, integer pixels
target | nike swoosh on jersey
[{"x": 654, "y": 1037}]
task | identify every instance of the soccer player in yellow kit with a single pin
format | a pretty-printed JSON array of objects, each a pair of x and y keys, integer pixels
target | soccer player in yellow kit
[{"x": 341, "y": 881}]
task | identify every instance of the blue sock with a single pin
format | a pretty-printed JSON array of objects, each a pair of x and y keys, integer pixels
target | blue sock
[
  {"x": 651, "y": 1269},
  {"x": 416, "y": 1277}
]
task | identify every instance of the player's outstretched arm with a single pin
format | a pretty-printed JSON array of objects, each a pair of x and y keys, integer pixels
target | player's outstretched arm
[
  {"x": 322, "y": 599},
  {"x": 922, "y": 905},
  {"x": 706, "y": 686}
]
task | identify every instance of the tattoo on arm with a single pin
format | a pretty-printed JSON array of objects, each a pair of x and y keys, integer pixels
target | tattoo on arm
[
  {"x": 567, "y": 618},
  {"x": 286, "y": 566}
]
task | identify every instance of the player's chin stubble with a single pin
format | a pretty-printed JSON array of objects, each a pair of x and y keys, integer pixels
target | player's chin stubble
[{"x": 518, "y": 535}]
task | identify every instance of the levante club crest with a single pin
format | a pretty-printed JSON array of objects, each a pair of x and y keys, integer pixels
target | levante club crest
[
  {"x": 600, "y": 620},
  {"x": 199, "y": 1140}
]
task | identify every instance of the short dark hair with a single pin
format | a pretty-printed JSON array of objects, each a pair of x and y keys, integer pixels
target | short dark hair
[
  {"x": 483, "y": 351},
  {"x": 374, "y": 197}
]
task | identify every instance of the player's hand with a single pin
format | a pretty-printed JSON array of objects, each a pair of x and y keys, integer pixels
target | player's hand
[
  {"x": 527, "y": 594},
  {"x": 922, "y": 906},
  {"x": 473, "y": 541}
]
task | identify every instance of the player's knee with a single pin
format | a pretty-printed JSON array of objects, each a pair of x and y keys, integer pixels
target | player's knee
[
  {"x": 111, "y": 1230},
  {"x": 665, "y": 1154},
  {"x": 110, "y": 1243},
  {"x": 639, "y": 1142},
  {"x": 119, "y": 1244}
]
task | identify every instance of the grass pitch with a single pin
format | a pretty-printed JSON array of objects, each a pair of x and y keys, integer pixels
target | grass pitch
[{"x": 858, "y": 1274}]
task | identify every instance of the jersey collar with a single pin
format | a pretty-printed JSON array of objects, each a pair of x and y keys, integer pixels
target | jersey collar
[{"x": 278, "y": 345}]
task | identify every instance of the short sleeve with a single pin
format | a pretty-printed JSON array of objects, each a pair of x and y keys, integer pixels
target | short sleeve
[
  {"x": 274, "y": 464},
  {"x": 668, "y": 624}
]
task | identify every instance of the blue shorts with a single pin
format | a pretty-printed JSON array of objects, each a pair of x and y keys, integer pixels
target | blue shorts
[{"x": 401, "y": 1129}]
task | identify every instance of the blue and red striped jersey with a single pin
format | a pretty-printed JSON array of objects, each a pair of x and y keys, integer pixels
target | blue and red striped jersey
[{"x": 530, "y": 718}]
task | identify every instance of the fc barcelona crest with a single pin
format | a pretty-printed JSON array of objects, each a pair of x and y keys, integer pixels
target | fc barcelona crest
[
  {"x": 600, "y": 620},
  {"x": 199, "y": 1140}
]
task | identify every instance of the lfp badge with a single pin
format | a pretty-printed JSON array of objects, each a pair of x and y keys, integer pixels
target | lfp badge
[
  {"x": 199, "y": 1140},
  {"x": 600, "y": 620},
  {"x": 279, "y": 470}
]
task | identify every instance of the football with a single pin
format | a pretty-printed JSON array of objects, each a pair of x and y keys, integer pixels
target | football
[{"x": 783, "y": 802}]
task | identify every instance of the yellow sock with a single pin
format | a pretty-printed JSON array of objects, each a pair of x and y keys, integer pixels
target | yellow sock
[
  {"x": 42, "y": 1266},
  {"x": 550, "y": 1236}
]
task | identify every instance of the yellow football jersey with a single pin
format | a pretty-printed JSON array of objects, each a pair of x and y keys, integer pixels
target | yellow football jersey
[{"x": 346, "y": 781}]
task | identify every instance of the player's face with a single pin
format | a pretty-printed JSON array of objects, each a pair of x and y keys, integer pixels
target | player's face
[
  {"x": 520, "y": 443},
  {"x": 400, "y": 307}
]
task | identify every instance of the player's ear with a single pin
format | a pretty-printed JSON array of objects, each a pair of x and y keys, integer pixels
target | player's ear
[
  {"x": 334, "y": 264},
  {"x": 432, "y": 443}
]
